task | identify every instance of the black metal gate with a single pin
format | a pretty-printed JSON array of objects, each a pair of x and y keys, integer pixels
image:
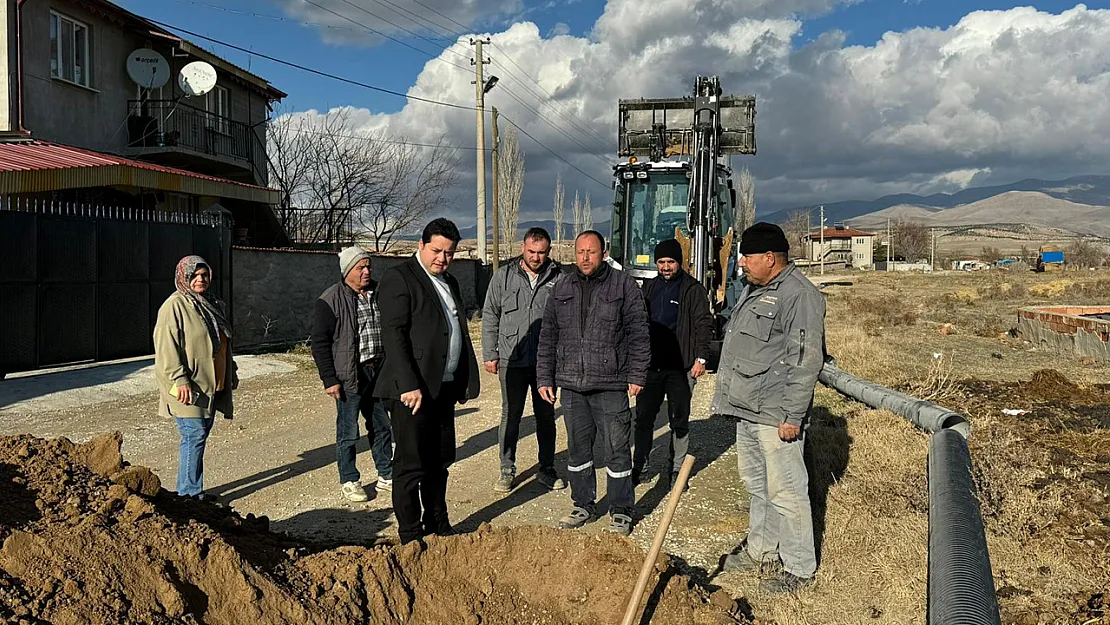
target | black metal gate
[{"x": 84, "y": 283}]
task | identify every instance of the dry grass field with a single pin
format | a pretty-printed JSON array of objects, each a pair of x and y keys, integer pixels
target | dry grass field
[{"x": 1043, "y": 477}]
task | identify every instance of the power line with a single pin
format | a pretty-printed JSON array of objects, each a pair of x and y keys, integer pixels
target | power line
[
  {"x": 267, "y": 16},
  {"x": 569, "y": 136},
  {"x": 416, "y": 18},
  {"x": 381, "y": 34},
  {"x": 513, "y": 95},
  {"x": 381, "y": 140},
  {"x": 553, "y": 153},
  {"x": 580, "y": 126},
  {"x": 311, "y": 70},
  {"x": 550, "y": 95},
  {"x": 397, "y": 26},
  {"x": 372, "y": 88},
  {"x": 460, "y": 25}
]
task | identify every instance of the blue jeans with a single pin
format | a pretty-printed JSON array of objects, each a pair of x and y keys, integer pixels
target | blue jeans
[
  {"x": 190, "y": 460},
  {"x": 378, "y": 431},
  {"x": 780, "y": 523}
]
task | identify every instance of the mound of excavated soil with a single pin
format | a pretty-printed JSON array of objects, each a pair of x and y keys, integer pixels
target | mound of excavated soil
[{"x": 83, "y": 544}]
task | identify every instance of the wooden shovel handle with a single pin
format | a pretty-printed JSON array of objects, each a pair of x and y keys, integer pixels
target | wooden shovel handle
[{"x": 657, "y": 544}]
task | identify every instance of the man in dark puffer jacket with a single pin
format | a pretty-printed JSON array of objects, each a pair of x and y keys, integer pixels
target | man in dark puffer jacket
[{"x": 594, "y": 345}]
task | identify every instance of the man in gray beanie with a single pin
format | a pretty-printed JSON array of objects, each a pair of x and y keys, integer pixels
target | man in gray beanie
[{"x": 347, "y": 348}]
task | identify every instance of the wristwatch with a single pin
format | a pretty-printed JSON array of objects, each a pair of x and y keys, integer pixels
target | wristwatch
[{"x": 701, "y": 360}]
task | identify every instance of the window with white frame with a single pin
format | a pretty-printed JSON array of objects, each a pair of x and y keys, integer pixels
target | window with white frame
[
  {"x": 69, "y": 49},
  {"x": 216, "y": 103}
]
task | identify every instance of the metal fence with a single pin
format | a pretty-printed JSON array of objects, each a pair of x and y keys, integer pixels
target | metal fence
[
  {"x": 168, "y": 123},
  {"x": 83, "y": 282}
]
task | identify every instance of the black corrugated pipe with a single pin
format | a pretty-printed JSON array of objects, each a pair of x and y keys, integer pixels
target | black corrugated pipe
[
  {"x": 961, "y": 587},
  {"x": 927, "y": 416}
]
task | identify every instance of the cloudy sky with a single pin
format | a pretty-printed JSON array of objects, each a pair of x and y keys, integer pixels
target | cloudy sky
[{"x": 855, "y": 98}]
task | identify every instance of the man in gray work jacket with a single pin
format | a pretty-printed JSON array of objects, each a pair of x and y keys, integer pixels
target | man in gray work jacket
[
  {"x": 772, "y": 353},
  {"x": 511, "y": 320},
  {"x": 594, "y": 346}
]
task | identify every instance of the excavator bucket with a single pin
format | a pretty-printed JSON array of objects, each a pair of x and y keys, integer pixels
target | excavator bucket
[{"x": 663, "y": 127}]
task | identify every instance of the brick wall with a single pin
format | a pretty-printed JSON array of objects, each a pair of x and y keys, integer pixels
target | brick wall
[{"x": 1067, "y": 328}]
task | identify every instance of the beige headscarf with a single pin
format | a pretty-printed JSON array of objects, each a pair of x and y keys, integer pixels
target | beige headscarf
[{"x": 204, "y": 304}]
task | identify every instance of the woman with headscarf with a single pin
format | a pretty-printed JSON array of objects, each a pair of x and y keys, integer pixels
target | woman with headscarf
[{"x": 193, "y": 366}]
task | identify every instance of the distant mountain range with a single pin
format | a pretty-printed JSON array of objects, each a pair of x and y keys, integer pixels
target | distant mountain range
[{"x": 1080, "y": 204}]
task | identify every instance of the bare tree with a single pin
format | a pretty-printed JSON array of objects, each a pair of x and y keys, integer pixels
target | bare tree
[
  {"x": 912, "y": 240},
  {"x": 560, "y": 207},
  {"x": 1083, "y": 254},
  {"x": 587, "y": 213},
  {"x": 415, "y": 182},
  {"x": 744, "y": 215},
  {"x": 990, "y": 254},
  {"x": 576, "y": 206},
  {"x": 338, "y": 184},
  {"x": 511, "y": 181},
  {"x": 796, "y": 228}
]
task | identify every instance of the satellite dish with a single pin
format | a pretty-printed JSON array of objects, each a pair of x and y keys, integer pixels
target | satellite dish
[
  {"x": 147, "y": 68},
  {"x": 197, "y": 78}
]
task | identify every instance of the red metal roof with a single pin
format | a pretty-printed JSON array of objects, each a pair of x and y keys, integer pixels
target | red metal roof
[
  {"x": 841, "y": 233},
  {"x": 43, "y": 155}
]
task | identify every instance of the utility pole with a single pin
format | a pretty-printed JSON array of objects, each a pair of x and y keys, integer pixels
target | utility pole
[
  {"x": 933, "y": 250},
  {"x": 479, "y": 63},
  {"x": 889, "y": 244},
  {"x": 822, "y": 226},
  {"x": 496, "y": 189}
]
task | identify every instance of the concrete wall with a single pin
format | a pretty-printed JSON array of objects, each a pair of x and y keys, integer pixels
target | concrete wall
[
  {"x": 275, "y": 291},
  {"x": 1067, "y": 329},
  {"x": 94, "y": 117}
]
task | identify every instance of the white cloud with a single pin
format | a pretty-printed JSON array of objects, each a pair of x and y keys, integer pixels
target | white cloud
[{"x": 999, "y": 96}]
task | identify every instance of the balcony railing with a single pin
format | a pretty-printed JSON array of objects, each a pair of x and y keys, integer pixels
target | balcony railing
[{"x": 167, "y": 123}]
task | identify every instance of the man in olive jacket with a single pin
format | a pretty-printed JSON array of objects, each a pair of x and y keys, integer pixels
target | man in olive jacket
[
  {"x": 511, "y": 319},
  {"x": 594, "y": 346},
  {"x": 772, "y": 353}
]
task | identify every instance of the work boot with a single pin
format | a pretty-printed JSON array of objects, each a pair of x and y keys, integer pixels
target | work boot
[
  {"x": 576, "y": 518},
  {"x": 504, "y": 484},
  {"x": 354, "y": 491},
  {"x": 739, "y": 562},
  {"x": 550, "y": 480},
  {"x": 785, "y": 584},
  {"x": 620, "y": 524}
]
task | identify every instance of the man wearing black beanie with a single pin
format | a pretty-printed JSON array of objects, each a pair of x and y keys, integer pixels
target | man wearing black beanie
[
  {"x": 681, "y": 327},
  {"x": 772, "y": 353}
]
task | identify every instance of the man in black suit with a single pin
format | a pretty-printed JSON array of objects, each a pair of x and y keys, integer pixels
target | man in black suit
[{"x": 429, "y": 367}]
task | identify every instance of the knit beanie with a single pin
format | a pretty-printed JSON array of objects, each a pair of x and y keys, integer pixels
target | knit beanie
[
  {"x": 349, "y": 257},
  {"x": 669, "y": 248},
  {"x": 763, "y": 237}
]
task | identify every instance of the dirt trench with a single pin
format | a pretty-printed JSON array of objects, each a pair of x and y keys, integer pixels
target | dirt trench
[{"x": 88, "y": 540}]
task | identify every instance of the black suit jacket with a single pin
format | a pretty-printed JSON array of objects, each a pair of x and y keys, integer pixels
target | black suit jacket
[{"x": 415, "y": 336}]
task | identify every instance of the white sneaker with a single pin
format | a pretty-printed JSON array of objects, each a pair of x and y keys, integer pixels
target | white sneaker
[
  {"x": 385, "y": 484},
  {"x": 354, "y": 491}
]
